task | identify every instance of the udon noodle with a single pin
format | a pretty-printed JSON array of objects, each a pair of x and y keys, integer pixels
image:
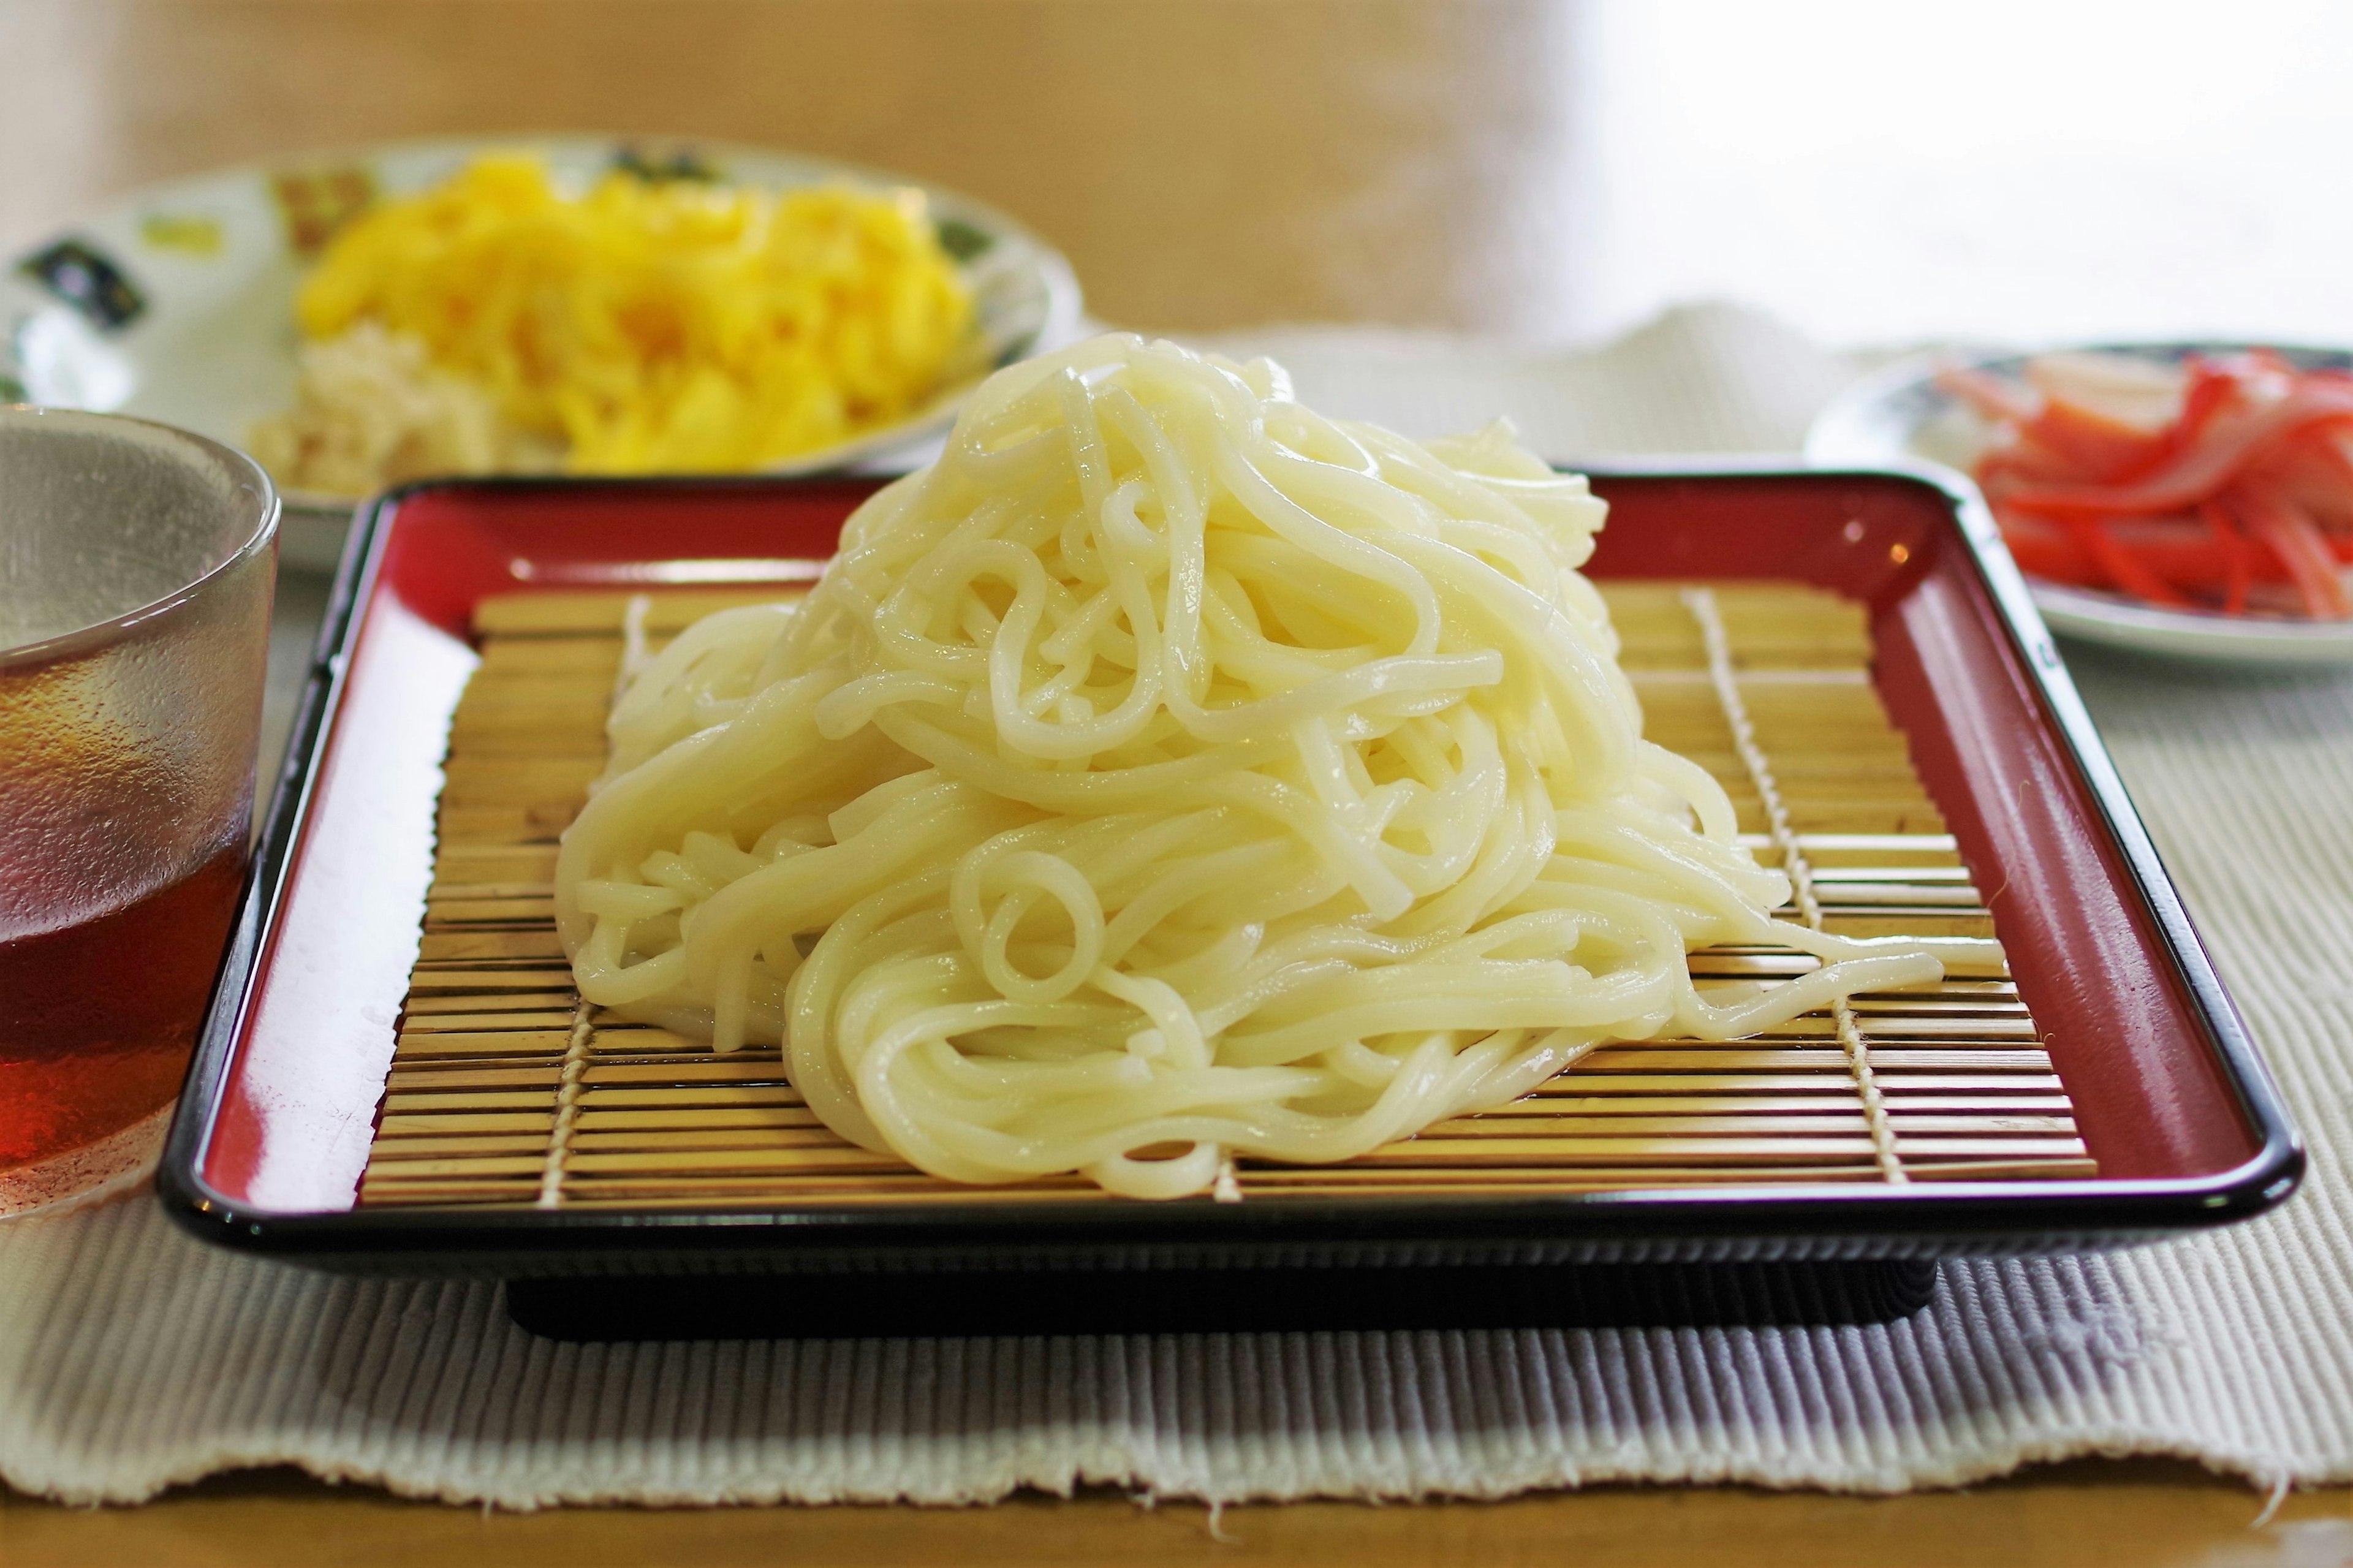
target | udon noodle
[{"x": 1169, "y": 774}]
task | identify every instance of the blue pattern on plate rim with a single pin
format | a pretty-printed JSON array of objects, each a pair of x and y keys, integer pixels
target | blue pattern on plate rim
[{"x": 86, "y": 278}]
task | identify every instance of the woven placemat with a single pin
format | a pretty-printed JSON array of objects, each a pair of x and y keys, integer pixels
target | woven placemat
[{"x": 131, "y": 1358}]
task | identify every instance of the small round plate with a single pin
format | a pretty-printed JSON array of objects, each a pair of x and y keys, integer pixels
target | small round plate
[
  {"x": 177, "y": 303},
  {"x": 1901, "y": 413}
]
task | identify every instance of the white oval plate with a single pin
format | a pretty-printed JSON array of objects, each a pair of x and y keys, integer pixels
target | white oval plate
[
  {"x": 177, "y": 303},
  {"x": 1900, "y": 413}
]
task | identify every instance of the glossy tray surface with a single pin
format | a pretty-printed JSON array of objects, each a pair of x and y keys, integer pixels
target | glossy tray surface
[{"x": 2170, "y": 1099}]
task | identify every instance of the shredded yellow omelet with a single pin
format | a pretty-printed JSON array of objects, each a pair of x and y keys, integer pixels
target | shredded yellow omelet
[{"x": 662, "y": 325}]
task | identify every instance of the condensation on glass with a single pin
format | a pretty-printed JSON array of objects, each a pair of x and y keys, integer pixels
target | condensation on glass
[{"x": 136, "y": 569}]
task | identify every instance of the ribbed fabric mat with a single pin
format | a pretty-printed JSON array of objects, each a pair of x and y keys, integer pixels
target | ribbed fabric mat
[{"x": 131, "y": 1358}]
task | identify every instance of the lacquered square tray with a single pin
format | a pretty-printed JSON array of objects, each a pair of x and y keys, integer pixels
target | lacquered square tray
[{"x": 395, "y": 1077}]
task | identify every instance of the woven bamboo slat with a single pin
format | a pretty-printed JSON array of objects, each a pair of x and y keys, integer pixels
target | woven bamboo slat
[{"x": 503, "y": 1091}]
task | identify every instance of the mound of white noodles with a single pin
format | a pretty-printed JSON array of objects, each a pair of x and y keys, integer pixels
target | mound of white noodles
[{"x": 1168, "y": 775}]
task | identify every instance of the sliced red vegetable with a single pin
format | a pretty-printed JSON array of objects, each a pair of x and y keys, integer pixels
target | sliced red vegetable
[
  {"x": 2239, "y": 574},
  {"x": 2124, "y": 569},
  {"x": 2229, "y": 487},
  {"x": 2092, "y": 443},
  {"x": 2049, "y": 553},
  {"x": 2282, "y": 526},
  {"x": 2020, "y": 461},
  {"x": 2210, "y": 393},
  {"x": 2314, "y": 467},
  {"x": 2199, "y": 472},
  {"x": 2183, "y": 551}
]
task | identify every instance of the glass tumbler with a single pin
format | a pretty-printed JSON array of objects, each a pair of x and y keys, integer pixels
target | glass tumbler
[{"x": 136, "y": 567}]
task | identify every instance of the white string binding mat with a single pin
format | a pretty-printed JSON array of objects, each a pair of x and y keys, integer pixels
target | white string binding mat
[
  {"x": 1167, "y": 775},
  {"x": 1701, "y": 601},
  {"x": 576, "y": 1050}
]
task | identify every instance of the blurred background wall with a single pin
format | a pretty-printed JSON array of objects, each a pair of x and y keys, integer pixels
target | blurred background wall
[
  {"x": 1204, "y": 163},
  {"x": 1537, "y": 169}
]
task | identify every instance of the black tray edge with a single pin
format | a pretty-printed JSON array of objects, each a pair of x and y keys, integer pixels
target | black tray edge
[{"x": 1172, "y": 1301}]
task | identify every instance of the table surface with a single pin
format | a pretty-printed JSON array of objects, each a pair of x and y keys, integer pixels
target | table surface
[
  {"x": 119, "y": 100},
  {"x": 2139, "y": 1512}
]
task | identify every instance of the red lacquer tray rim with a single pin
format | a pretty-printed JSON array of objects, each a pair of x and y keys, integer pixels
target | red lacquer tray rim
[{"x": 1919, "y": 1219}]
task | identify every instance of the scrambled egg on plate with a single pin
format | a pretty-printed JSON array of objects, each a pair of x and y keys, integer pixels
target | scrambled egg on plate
[{"x": 495, "y": 323}]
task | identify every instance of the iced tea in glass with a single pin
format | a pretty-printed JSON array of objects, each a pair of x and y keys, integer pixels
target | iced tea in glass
[{"x": 136, "y": 569}]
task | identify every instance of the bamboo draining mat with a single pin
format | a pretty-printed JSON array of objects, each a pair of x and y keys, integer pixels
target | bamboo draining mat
[{"x": 503, "y": 1091}]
